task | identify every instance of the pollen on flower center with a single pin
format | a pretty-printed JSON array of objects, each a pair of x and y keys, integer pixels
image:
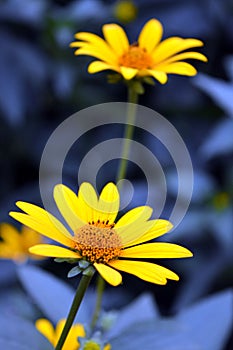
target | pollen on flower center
[
  {"x": 97, "y": 244},
  {"x": 136, "y": 57}
]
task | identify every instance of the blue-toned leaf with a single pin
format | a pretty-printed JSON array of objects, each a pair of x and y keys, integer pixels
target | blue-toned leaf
[
  {"x": 204, "y": 326},
  {"x": 143, "y": 309},
  {"x": 21, "y": 334},
  {"x": 52, "y": 296},
  {"x": 220, "y": 141},
  {"x": 220, "y": 91},
  {"x": 209, "y": 321}
]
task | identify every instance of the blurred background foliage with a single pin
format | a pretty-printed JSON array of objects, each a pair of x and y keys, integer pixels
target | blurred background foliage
[{"x": 42, "y": 83}]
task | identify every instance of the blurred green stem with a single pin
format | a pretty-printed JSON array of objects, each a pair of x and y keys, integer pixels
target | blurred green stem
[
  {"x": 100, "y": 290},
  {"x": 82, "y": 287},
  {"x": 129, "y": 129}
]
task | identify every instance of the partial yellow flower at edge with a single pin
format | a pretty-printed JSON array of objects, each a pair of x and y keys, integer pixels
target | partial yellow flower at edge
[
  {"x": 148, "y": 56},
  {"x": 14, "y": 244},
  {"x": 46, "y": 328},
  {"x": 109, "y": 245}
]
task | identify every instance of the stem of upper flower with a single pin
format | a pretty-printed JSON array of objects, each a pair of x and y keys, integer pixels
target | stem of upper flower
[
  {"x": 100, "y": 290},
  {"x": 82, "y": 287},
  {"x": 128, "y": 134}
]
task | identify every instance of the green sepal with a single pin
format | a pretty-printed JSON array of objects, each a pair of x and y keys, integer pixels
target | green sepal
[
  {"x": 148, "y": 80},
  {"x": 68, "y": 260},
  {"x": 74, "y": 272},
  {"x": 89, "y": 271},
  {"x": 114, "y": 78}
]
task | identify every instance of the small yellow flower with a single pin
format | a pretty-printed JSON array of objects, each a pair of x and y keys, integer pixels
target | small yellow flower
[
  {"x": 96, "y": 238},
  {"x": 46, "y": 328},
  {"x": 125, "y": 11},
  {"x": 14, "y": 245},
  {"x": 149, "y": 56}
]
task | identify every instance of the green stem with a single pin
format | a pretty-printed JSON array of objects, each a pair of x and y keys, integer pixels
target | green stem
[
  {"x": 129, "y": 129},
  {"x": 82, "y": 287},
  {"x": 100, "y": 290}
]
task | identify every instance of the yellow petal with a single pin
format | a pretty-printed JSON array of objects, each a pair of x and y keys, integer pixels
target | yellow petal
[
  {"x": 10, "y": 235},
  {"x": 109, "y": 203},
  {"x": 146, "y": 271},
  {"x": 46, "y": 328},
  {"x": 171, "y": 46},
  {"x": 99, "y": 45},
  {"x": 109, "y": 275},
  {"x": 150, "y": 35},
  {"x": 71, "y": 342},
  {"x": 67, "y": 202},
  {"x": 54, "y": 251},
  {"x": 98, "y": 66},
  {"x": 181, "y": 68},
  {"x": 88, "y": 203},
  {"x": 156, "y": 250},
  {"x": 142, "y": 213},
  {"x": 128, "y": 73},
  {"x": 159, "y": 227},
  {"x": 186, "y": 55},
  {"x": 134, "y": 224},
  {"x": 116, "y": 38},
  {"x": 160, "y": 76},
  {"x": 43, "y": 222}
]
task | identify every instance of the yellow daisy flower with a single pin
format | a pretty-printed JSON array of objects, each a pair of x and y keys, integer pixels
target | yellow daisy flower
[
  {"x": 46, "y": 328},
  {"x": 149, "y": 56},
  {"x": 98, "y": 239},
  {"x": 14, "y": 244}
]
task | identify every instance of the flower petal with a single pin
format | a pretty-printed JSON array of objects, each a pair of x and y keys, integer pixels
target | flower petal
[
  {"x": 142, "y": 213},
  {"x": 109, "y": 203},
  {"x": 158, "y": 75},
  {"x": 98, "y": 45},
  {"x": 116, "y": 38},
  {"x": 54, "y": 251},
  {"x": 93, "y": 210},
  {"x": 186, "y": 55},
  {"x": 44, "y": 223},
  {"x": 181, "y": 68},
  {"x": 136, "y": 225},
  {"x": 88, "y": 203},
  {"x": 10, "y": 236},
  {"x": 150, "y": 35},
  {"x": 156, "y": 250},
  {"x": 98, "y": 66},
  {"x": 46, "y": 328},
  {"x": 110, "y": 275},
  {"x": 171, "y": 46},
  {"x": 128, "y": 73},
  {"x": 146, "y": 271},
  {"x": 159, "y": 227},
  {"x": 67, "y": 202}
]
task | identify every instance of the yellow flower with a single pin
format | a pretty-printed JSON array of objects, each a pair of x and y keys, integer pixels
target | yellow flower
[
  {"x": 14, "y": 244},
  {"x": 53, "y": 334},
  {"x": 96, "y": 237},
  {"x": 125, "y": 11},
  {"x": 149, "y": 56}
]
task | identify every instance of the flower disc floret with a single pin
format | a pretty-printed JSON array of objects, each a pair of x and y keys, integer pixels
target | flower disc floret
[
  {"x": 97, "y": 244},
  {"x": 136, "y": 57}
]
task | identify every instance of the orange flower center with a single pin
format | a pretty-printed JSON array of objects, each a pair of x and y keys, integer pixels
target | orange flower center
[
  {"x": 136, "y": 57},
  {"x": 97, "y": 244}
]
